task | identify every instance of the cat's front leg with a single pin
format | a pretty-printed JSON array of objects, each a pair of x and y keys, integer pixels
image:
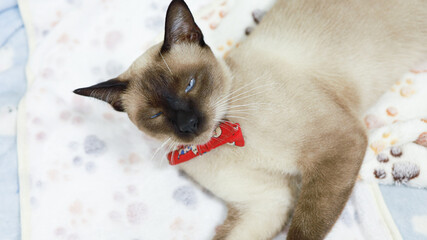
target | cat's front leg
[
  {"x": 259, "y": 208},
  {"x": 329, "y": 174},
  {"x": 259, "y": 202}
]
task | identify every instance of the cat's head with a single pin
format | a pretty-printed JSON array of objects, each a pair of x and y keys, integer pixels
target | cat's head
[{"x": 174, "y": 89}]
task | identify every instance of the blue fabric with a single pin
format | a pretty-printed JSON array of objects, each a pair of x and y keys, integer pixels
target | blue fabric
[
  {"x": 9, "y": 207},
  {"x": 12, "y": 87},
  {"x": 404, "y": 204}
]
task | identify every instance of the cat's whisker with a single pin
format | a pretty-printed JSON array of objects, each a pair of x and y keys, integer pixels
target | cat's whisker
[
  {"x": 215, "y": 139},
  {"x": 237, "y": 97},
  {"x": 233, "y": 116},
  {"x": 220, "y": 113},
  {"x": 226, "y": 123},
  {"x": 252, "y": 89},
  {"x": 158, "y": 149},
  {"x": 248, "y": 109},
  {"x": 226, "y": 109},
  {"x": 174, "y": 147},
  {"x": 164, "y": 153},
  {"x": 248, "y": 96},
  {"x": 223, "y": 107},
  {"x": 245, "y": 105},
  {"x": 170, "y": 148},
  {"x": 242, "y": 110},
  {"x": 238, "y": 113},
  {"x": 227, "y": 101},
  {"x": 236, "y": 90},
  {"x": 163, "y": 149},
  {"x": 165, "y": 62},
  {"x": 227, "y": 97}
]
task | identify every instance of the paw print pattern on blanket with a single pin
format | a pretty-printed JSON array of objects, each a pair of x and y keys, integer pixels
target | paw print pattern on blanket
[
  {"x": 397, "y": 140},
  {"x": 405, "y": 100},
  {"x": 405, "y": 171},
  {"x": 94, "y": 146},
  {"x": 136, "y": 212},
  {"x": 185, "y": 195},
  {"x": 257, "y": 15},
  {"x": 214, "y": 17},
  {"x": 132, "y": 164},
  {"x": 422, "y": 139},
  {"x": 404, "y": 88},
  {"x": 401, "y": 171},
  {"x": 399, "y": 156}
]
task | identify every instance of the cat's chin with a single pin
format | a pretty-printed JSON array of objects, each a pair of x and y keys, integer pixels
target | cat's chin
[
  {"x": 206, "y": 136},
  {"x": 200, "y": 139}
]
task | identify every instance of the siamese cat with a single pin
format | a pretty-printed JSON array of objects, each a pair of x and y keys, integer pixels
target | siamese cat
[{"x": 298, "y": 86}]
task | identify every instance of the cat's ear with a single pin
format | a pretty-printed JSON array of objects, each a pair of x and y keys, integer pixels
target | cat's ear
[
  {"x": 109, "y": 91},
  {"x": 180, "y": 26}
]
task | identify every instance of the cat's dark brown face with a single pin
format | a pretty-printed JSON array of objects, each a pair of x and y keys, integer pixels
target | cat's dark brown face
[
  {"x": 175, "y": 92},
  {"x": 173, "y": 89}
]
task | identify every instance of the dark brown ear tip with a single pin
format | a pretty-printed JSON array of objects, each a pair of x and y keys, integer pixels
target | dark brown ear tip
[
  {"x": 178, "y": 3},
  {"x": 81, "y": 91},
  {"x": 78, "y": 91}
]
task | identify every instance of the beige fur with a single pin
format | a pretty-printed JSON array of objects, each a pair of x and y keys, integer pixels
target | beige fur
[
  {"x": 298, "y": 86},
  {"x": 328, "y": 61}
]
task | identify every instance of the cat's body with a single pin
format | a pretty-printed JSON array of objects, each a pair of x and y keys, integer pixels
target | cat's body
[
  {"x": 298, "y": 86},
  {"x": 322, "y": 63}
]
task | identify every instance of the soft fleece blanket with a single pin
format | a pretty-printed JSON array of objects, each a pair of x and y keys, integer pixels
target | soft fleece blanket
[
  {"x": 13, "y": 57},
  {"x": 85, "y": 169}
]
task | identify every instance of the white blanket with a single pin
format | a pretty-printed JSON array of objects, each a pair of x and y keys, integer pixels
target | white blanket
[
  {"x": 397, "y": 151},
  {"x": 85, "y": 169}
]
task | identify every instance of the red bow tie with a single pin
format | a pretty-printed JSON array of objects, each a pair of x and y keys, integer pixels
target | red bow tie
[{"x": 226, "y": 132}]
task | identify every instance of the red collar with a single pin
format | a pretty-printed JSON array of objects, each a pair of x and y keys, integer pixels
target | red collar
[{"x": 226, "y": 132}]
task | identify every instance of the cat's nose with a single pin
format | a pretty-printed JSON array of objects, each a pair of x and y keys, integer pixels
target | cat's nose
[{"x": 187, "y": 122}]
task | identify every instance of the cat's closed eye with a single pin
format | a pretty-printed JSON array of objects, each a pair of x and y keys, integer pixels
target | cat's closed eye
[
  {"x": 190, "y": 85},
  {"x": 156, "y": 115}
]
